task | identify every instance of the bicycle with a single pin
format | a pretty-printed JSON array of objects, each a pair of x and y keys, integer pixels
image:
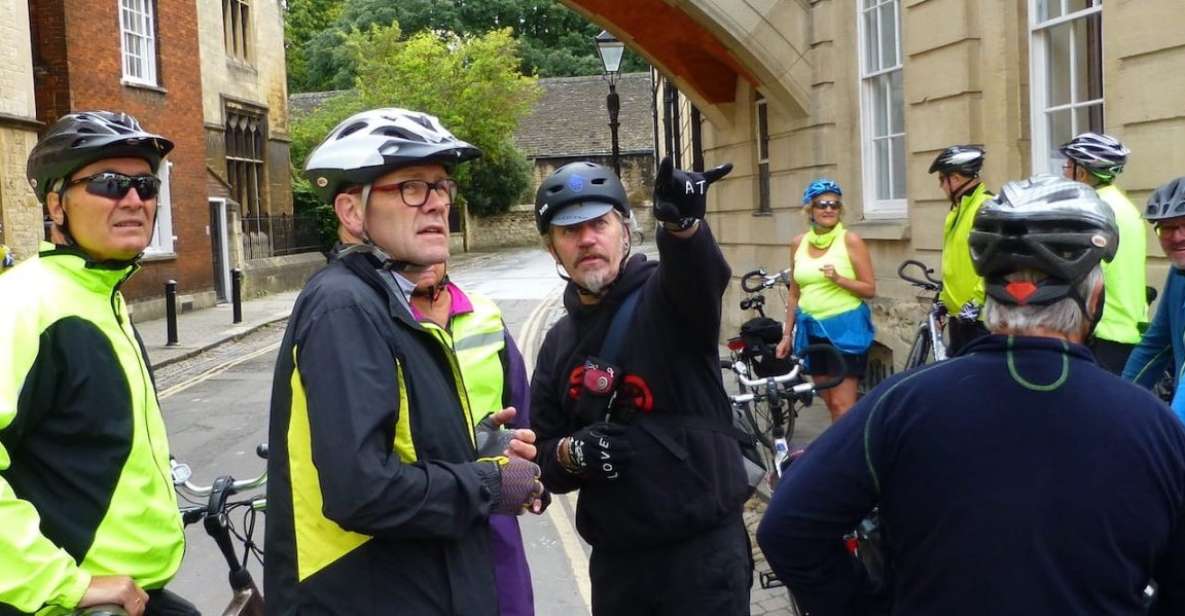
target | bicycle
[
  {"x": 927, "y": 341},
  {"x": 247, "y": 600}
]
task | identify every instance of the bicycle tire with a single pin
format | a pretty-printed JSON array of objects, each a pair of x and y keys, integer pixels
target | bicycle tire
[
  {"x": 920, "y": 349},
  {"x": 759, "y": 430}
]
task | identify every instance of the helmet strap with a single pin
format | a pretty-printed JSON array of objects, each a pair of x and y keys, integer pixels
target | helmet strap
[{"x": 957, "y": 195}]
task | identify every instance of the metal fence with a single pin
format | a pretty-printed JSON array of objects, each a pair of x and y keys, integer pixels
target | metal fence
[{"x": 276, "y": 236}]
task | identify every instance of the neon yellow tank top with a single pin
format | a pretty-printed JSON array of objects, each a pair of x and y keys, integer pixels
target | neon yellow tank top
[{"x": 818, "y": 296}]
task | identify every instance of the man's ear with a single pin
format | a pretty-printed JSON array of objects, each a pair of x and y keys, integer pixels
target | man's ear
[
  {"x": 55, "y": 207},
  {"x": 349, "y": 213}
]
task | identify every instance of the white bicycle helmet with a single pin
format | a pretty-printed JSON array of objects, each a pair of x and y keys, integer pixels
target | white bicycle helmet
[
  {"x": 371, "y": 143},
  {"x": 1046, "y": 223},
  {"x": 1102, "y": 155}
]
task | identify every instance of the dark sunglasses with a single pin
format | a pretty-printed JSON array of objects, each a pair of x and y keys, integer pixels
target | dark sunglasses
[
  {"x": 828, "y": 205},
  {"x": 115, "y": 185}
]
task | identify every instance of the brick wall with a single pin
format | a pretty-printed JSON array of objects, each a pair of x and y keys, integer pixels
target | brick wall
[{"x": 78, "y": 66}]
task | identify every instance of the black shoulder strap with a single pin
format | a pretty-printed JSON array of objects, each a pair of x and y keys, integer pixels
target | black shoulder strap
[{"x": 621, "y": 320}]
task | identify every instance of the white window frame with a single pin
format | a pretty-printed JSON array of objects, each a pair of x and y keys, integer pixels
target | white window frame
[
  {"x": 873, "y": 206},
  {"x": 1041, "y": 148},
  {"x": 139, "y": 12},
  {"x": 162, "y": 233}
]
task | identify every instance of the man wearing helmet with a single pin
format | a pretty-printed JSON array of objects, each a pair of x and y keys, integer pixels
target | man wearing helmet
[
  {"x": 1095, "y": 160},
  {"x": 958, "y": 170},
  {"x": 1162, "y": 346},
  {"x": 378, "y": 491},
  {"x": 986, "y": 469},
  {"x": 628, "y": 402},
  {"x": 89, "y": 512}
]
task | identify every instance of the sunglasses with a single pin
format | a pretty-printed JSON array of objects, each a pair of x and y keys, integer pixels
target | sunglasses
[
  {"x": 114, "y": 185},
  {"x": 828, "y": 205}
]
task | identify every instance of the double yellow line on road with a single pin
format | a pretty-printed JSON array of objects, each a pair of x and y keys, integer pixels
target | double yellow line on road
[{"x": 216, "y": 370}]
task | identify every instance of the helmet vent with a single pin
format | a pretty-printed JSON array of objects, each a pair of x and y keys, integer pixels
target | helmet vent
[
  {"x": 351, "y": 129},
  {"x": 598, "y": 181}
]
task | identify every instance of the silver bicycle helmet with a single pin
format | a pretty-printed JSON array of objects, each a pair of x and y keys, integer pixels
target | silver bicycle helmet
[
  {"x": 964, "y": 159},
  {"x": 1168, "y": 201},
  {"x": 1046, "y": 223},
  {"x": 79, "y": 139},
  {"x": 1102, "y": 155},
  {"x": 368, "y": 144}
]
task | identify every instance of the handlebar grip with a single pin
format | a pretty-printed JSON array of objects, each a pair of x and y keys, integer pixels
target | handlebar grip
[
  {"x": 726, "y": 364},
  {"x": 837, "y": 360},
  {"x": 759, "y": 274}
]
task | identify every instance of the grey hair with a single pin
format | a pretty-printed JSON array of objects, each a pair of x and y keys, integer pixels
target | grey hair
[{"x": 1063, "y": 316}]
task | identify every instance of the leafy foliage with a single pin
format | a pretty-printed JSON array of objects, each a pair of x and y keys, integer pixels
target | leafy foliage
[
  {"x": 554, "y": 41},
  {"x": 471, "y": 83}
]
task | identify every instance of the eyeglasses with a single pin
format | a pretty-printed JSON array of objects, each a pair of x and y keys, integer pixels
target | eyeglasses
[
  {"x": 114, "y": 185},
  {"x": 415, "y": 192},
  {"x": 828, "y": 205}
]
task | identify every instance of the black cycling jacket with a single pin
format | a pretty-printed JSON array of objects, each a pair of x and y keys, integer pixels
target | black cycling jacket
[
  {"x": 375, "y": 503},
  {"x": 687, "y": 475}
]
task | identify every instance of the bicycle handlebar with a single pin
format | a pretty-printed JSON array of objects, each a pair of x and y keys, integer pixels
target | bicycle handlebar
[
  {"x": 765, "y": 280},
  {"x": 800, "y": 389},
  {"x": 930, "y": 283},
  {"x": 182, "y": 473}
]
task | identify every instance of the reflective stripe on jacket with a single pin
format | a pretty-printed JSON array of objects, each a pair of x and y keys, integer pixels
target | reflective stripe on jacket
[
  {"x": 960, "y": 282},
  {"x": 1124, "y": 277},
  {"x": 85, "y": 487},
  {"x": 375, "y": 502}
]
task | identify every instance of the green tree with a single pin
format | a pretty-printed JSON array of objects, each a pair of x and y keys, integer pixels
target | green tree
[
  {"x": 554, "y": 41},
  {"x": 472, "y": 83},
  {"x": 303, "y": 20}
]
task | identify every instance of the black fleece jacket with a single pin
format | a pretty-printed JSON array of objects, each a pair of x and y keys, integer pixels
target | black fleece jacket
[{"x": 686, "y": 476}]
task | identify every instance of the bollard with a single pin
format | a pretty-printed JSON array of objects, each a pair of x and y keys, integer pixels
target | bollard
[
  {"x": 236, "y": 293},
  {"x": 171, "y": 311}
]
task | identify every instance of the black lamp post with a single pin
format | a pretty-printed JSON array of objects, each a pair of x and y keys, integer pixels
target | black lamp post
[{"x": 610, "y": 50}]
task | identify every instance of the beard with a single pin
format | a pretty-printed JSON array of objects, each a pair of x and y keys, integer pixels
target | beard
[{"x": 596, "y": 281}]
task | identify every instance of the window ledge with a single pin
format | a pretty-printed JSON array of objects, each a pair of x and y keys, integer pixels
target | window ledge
[
  {"x": 240, "y": 64},
  {"x": 150, "y": 257},
  {"x": 144, "y": 86},
  {"x": 763, "y": 214},
  {"x": 891, "y": 229}
]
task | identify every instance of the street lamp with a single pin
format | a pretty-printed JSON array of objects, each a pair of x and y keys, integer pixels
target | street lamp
[{"x": 610, "y": 50}]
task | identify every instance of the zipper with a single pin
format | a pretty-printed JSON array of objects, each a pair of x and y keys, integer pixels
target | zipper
[{"x": 116, "y": 305}]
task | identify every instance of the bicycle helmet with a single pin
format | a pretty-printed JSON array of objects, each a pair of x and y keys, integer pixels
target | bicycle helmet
[
  {"x": 79, "y": 139},
  {"x": 964, "y": 159},
  {"x": 578, "y": 192},
  {"x": 1167, "y": 202},
  {"x": 1049, "y": 224},
  {"x": 371, "y": 143},
  {"x": 1102, "y": 155},
  {"x": 819, "y": 186}
]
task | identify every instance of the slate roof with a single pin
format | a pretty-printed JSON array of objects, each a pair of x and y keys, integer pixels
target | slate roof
[{"x": 569, "y": 120}]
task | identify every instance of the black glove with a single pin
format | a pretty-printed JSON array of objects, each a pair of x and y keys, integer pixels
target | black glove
[
  {"x": 517, "y": 486},
  {"x": 599, "y": 451},
  {"x": 681, "y": 196}
]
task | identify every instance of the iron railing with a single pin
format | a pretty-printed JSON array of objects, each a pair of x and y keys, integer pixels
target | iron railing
[{"x": 276, "y": 236}]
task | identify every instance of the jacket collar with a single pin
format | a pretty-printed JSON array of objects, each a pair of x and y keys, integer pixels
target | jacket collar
[
  {"x": 999, "y": 343},
  {"x": 99, "y": 276},
  {"x": 368, "y": 267}
]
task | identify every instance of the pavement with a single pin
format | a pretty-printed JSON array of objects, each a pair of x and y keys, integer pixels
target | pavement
[{"x": 204, "y": 329}]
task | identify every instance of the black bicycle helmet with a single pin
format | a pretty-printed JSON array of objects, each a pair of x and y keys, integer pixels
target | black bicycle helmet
[
  {"x": 79, "y": 139},
  {"x": 964, "y": 159},
  {"x": 368, "y": 144},
  {"x": 1102, "y": 155},
  {"x": 1045, "y": 223},
  {"x": 1167, "y": 202},
  {"x": 588, "y": 185}
]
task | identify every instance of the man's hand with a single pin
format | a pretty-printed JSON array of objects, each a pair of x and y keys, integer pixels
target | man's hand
[
  {"x": 115, "y": 590},
  {"x": 683, "y": 195},
  {"x": 493, "y": 441},
  {"x": 598, "y": 451},
  {"x": 520, "y": 488}
]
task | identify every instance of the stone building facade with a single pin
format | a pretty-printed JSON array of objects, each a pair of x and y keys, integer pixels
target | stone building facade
[
  {"x": 137, "y": 56},
  {"x": 245, "y": 120},
  {"x": 20, "y": 215},
  {"x": 869, "y": 91}
]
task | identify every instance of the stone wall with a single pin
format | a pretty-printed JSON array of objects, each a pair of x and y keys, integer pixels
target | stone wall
[
  {"x": 20, "y": 215},
  {"x": 514, "y": 228}
]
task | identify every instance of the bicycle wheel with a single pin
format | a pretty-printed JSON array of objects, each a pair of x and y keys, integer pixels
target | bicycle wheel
[{"x": 920, "y": 350}]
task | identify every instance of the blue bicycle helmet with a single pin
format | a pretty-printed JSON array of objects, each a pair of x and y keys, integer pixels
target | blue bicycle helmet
[{"x": 819, "y": 186}]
